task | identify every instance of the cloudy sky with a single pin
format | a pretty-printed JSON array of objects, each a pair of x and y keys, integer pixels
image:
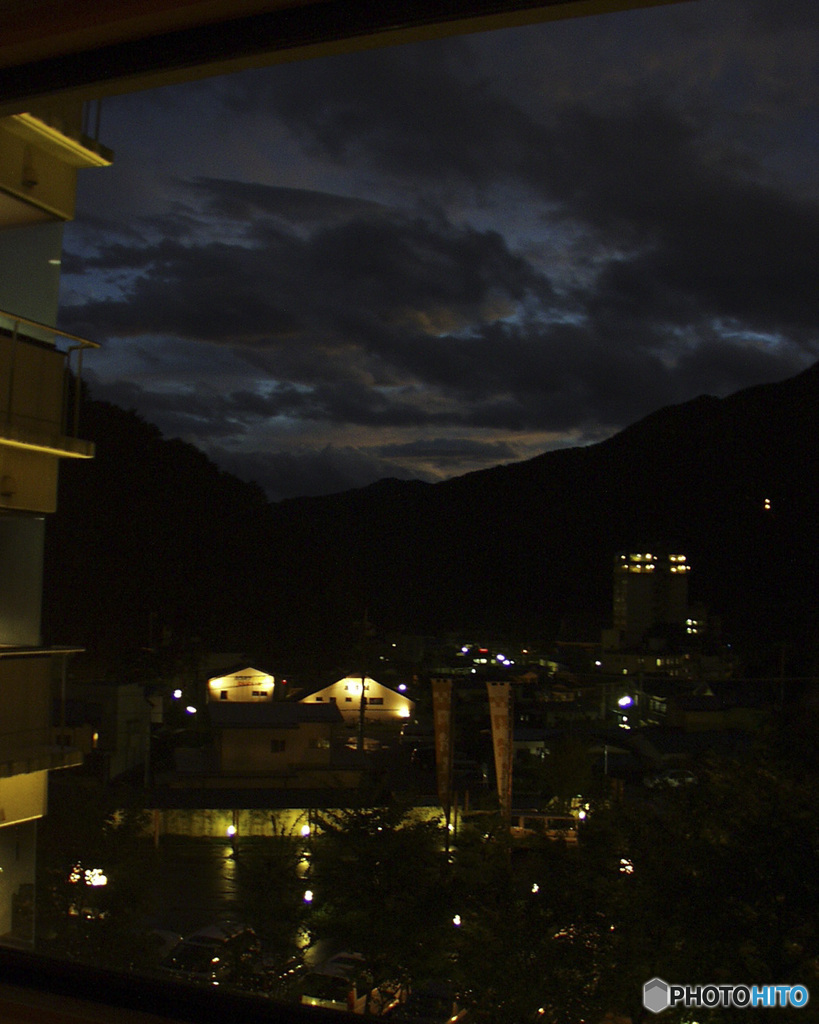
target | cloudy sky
[{"x": 428, "y": 259}]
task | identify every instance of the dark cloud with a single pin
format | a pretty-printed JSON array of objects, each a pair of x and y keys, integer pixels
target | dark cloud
[
  {"x": 362, "y": 321},
  {"x": 714, "y": 235},
  {"x": 388, "y": 269},
  {"x": 771, "y": 18},
  {"x": 305, "y": 208},
  {"x": 412, "y": 112},
  {"x": 206, "y": 416},
  {"x": 542, "y": 233},
  {"x": 713, "y": 242}
]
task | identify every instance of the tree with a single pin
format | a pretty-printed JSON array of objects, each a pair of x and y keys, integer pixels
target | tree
[
  {"x": 95, "y": 860},
  {"x": 272, "y": 881},
  {"x": 378, "y": 879},
  {"x": 719, "y": 882},
  {"x": 715, "y": 882}
]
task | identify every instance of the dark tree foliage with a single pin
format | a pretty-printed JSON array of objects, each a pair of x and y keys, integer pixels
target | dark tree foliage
[
  {"x": 722, "y": 885},
  {"x": 379, "y": 888},
  {"x": 716, "y": 882},
  {"x": 90, "y": 828},
  {"x": 272, "y": 878},
  {"x": 154, "y": 545}
]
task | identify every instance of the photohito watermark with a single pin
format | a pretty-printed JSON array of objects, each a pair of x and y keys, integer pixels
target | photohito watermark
[{"x": 658, "y": 995}]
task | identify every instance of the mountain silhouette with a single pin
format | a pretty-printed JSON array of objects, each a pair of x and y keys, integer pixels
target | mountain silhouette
[{"x": 152, "y": 537}]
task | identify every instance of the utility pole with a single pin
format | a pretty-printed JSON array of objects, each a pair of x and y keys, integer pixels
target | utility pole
[{"x": 366, "y": 632}]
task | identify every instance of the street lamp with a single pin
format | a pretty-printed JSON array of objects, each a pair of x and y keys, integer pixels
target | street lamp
[{"x": 231, "y": 834}]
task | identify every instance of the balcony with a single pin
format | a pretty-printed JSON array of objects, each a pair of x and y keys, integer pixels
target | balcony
[
  {"x": 41, "y": 151},
  {"x": 35, "y": 387},
  {"x": 37, "y": 757},
  {"x": 56, "y": 127},
  {"x": 30, "y": 741}
]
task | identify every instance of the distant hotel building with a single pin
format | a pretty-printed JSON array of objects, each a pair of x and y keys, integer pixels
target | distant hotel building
[
  {"x": 649, "y": 590},
  {"x": 651, "y": 593}
]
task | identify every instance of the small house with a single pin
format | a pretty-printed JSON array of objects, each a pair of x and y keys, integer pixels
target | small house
[
  {"x": 381, "y": 704},
  {"x": 248, "y": 685}
]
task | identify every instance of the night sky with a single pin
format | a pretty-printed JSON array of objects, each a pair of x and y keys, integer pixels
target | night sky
[{"x": 423, "y": 260}]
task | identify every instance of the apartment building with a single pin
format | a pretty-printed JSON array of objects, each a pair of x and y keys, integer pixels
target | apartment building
[{"x": 41, "y": 152}]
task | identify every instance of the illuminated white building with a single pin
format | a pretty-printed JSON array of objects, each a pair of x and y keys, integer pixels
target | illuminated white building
[
  {"x": 245, "y": 685},
  {"x": 381, "y": 703}
]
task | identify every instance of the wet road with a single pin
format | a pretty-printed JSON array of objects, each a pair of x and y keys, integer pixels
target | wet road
[{"x": 196, "y": 885}]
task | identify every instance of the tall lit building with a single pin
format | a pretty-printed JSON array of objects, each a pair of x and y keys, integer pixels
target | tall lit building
[
  {"x": 650, "y": 589},
  {"x": 40, "y": 153}
]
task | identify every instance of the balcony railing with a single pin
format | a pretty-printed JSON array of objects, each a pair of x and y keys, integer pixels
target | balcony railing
[
  {"x": 33, "y": 750},
  {"x": 37, "y": 408}
]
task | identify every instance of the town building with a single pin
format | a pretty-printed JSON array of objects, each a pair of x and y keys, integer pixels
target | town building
[
  {"x": 109, "y": 722},
  {"x": 251, "y": 741},
  {"x": 245, "y": 685},
  {"x": 650, "y": 589},
  {"x": 277, "y": 744},
  {"x": 381, "y": 704}
]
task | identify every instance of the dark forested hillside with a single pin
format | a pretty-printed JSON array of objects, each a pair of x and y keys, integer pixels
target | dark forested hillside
[
  {"x": 151, "y": 539},
  {"x": 152, "y": 533}
]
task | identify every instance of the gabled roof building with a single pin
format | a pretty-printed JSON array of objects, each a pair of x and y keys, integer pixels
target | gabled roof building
[{"x": 381, "y": 704}]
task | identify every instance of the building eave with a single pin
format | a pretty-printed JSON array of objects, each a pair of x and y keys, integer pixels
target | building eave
[{"x": 89, "y": 50}]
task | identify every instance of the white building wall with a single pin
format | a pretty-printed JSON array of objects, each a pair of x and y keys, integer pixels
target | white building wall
[
  {"x": 382, "y": 703},
  {"x": 247, "y": 686}
]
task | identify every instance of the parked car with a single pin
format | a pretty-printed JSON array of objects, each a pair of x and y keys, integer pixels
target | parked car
[
  {"x": 344, "y": 982},
  {"x": 672, "y": 777},
  {"x": 276, "y": 977},
  {"x": 215, "y": 955},
  {"x": 432, "y": 1003},
  {"x": 154, "y": 947}
]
